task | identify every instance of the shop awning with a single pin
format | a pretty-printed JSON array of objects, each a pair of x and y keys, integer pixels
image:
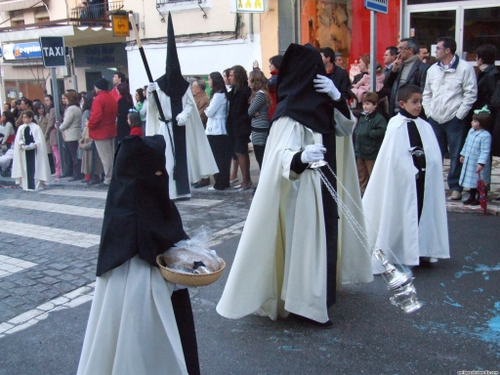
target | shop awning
[
  {"x": 10, "y": 5},
  {"x": 74, "y": 36}
]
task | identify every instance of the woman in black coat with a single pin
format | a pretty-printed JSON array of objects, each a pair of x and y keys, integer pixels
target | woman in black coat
[
  {"x": 125, "y": 103},
  {"x": 238, "y": 122}
]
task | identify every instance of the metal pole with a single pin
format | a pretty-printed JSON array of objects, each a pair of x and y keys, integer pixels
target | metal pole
[{"x": 373, "y": 50}]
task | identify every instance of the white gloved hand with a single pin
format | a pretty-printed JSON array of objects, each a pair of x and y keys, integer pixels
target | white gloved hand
[
  {"x": 181, "y": 119},
  {"x": 325, "y": 85},
  {"x": 31, "y": 146},
  {"x": 153, "y": 86},
  {"x": 313, "y": 153}
]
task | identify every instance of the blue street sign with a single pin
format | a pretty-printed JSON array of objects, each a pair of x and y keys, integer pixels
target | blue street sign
[{"x": 380, "y": 6}]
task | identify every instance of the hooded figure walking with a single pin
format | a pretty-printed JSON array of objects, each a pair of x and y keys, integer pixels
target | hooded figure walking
[
  {"x": 289, "y": 265},
  {"x": 188, "y": 154},
  {"x": 138, "y": 323}
]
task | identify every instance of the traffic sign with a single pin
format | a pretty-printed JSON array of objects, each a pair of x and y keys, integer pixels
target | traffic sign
[
  {"x": 380, "y": 6},
  {"x": 53, "y": 51}
]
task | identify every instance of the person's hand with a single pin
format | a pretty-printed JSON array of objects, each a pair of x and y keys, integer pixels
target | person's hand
[
  {"x": 479, "y": 168},
  {"x": 153, "y": 86},
  {"x": 256, "y": 64},
  {"x": 181, "y": 120},
  {"x": 313, "y": 153},
  {"x": 325, "y": 85},
  {"x": 462, "y": 159},
  {"x": 396, "y": 65}
]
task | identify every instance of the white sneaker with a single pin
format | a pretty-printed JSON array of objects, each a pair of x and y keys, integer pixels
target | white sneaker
[{"x": 455, "y": 195}]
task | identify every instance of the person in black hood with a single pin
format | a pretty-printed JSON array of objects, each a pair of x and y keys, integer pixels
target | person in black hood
[
  {"x": 188, "y": 154},
  {"x": 134, "y": 328}
]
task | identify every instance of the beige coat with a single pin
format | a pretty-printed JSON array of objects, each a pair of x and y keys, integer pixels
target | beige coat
[{"x": 72, "y": 125}]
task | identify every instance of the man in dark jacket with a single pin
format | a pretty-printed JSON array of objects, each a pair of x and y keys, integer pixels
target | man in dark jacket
[
  {"x": 338, "y": 75},
  {"x": 406, "y": 69}
]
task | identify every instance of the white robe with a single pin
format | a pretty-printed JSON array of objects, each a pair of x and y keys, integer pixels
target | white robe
[
  {"x": 201, "y": 162},
  {"x": 42, "y": 166},
  {"x": 280, "y": 264},
  {"x": 390, "y": 199},
  {"x": 132, "y": 328}
]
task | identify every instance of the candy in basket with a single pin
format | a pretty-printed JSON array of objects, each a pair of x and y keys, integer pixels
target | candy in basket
[{"x": 191, "y": 262}]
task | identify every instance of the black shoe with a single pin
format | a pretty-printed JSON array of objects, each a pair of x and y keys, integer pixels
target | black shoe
[
  {"x": 326, "y": 325},
  {"x": 202, "y": 183},
  {"x": 471, "y": 201}
]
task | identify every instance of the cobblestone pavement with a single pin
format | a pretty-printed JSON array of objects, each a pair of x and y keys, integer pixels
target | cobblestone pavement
[
  {"x": 49, "y": 245},
  {"x": 49, "y": 240}
]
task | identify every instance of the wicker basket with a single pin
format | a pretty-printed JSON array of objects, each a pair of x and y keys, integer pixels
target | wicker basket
[{"x": 188, "y": 279}]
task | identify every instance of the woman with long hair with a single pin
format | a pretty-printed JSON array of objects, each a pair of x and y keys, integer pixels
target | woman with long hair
[
  {"x": 258, "y": 112},
  {"x": 124, "y": 104},
  {"x": 8, "y": 122},
  {"x": 216, "y": 130},
  {"x": 238, "y": 121},
  {"x": 141, "y": 106},
  {"x": 42, "y": 119},
  {"x": 71, "y": 129}
]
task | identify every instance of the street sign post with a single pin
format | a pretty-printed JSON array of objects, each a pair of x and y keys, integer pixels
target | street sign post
[
  {"x": 53, "y": 52},
  {"x": 53, "y": 56},
  {"x": 380, "y": 6},
  {"x": 375, "y": 6}
]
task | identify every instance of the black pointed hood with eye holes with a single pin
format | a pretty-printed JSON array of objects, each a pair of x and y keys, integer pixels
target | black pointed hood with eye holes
[
  {"x": 296, "y": 95},
  {"x": 139, "y": 217},
  {"x": 172, "y": 82}
]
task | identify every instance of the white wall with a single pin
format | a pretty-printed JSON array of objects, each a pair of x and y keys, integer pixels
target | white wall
[{"x": 199, "y": 58}]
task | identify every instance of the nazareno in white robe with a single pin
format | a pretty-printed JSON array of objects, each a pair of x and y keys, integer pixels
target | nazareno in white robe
[
  {"x": 280, "y": 264},
  {"x": 132, "y": 328},
  {"x": 200, "y": 160},
  {"x": 42, "y": 166},
  {"x": 390, "y": 199}
]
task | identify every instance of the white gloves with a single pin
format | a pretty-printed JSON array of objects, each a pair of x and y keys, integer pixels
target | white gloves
[
  {"x": 325, "y": 85},
  {"x": 313, "y": 153},
  {"x": 31, "y": 146},
  {"x": 181, "y": 119},
  {"x": 153, "y": 86}
]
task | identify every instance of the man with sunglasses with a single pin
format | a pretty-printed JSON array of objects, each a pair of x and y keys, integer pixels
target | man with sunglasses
[{"x": 450, "y": 91}]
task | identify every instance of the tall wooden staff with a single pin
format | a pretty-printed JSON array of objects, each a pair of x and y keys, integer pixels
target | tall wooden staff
[{"x": 150, "y": 78}]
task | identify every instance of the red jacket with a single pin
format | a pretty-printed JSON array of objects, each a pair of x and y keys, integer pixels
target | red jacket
[
  {"x": 102, "y": 122},
  {"x": 136, "y": 130}
]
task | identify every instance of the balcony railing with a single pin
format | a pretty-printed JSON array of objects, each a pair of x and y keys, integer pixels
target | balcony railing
[{"x": 95, "y": 15}]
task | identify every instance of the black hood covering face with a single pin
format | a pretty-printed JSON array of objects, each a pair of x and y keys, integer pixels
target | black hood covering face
[
  {"x": 139, "y": 217},
  {"x": 172, "y": 82},
  {"x": 296, "y": 95}
]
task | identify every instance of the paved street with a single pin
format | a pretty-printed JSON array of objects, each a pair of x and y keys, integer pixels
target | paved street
[{"x": 48, "y": 250}]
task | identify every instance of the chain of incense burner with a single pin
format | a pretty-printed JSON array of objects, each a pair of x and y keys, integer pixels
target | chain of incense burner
[{"x": 399, "y": 280}]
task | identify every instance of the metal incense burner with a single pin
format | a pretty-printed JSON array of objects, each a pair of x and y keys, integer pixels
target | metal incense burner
[{"x": 399, "y": 280}]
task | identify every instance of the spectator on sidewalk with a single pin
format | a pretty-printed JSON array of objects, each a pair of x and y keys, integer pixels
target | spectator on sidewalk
[
  {"x": 368, "y": 137},
  {"x": 338, "y": 75},
  {"x": 449, "y": 94},
  {"x": 216, "y": 130},
  {"x": 118, "y": 78},
  {"x": 390, "y": 55},
  {"x": 406, "y": 69},
  {"x": 258, "y": 112},
  {"x": 71, "y": 129},
  {"x": 51, "y": 135},
  {"x": 102, "y": 126}
]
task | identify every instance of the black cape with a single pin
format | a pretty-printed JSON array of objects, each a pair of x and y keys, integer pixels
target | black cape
[{"x": 139, "y": 217}]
